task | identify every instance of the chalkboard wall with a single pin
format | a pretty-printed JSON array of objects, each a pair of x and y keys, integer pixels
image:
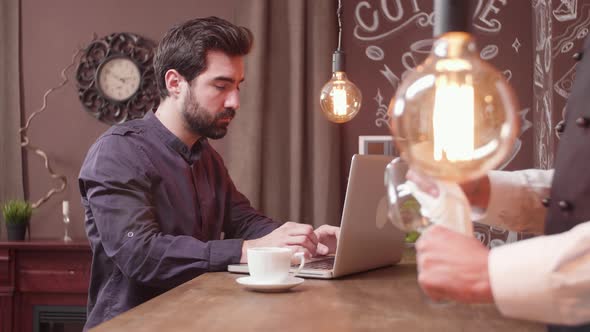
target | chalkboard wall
[{"x": 531, "y": 42}]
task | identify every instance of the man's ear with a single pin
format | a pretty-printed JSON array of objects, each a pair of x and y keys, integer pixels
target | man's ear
[{"x": 174, "y": 83}]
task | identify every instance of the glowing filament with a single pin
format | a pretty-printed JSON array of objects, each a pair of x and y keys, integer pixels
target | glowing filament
[
  {"x": 453, "y": 120},
  {"x": 339, "y": 98}
]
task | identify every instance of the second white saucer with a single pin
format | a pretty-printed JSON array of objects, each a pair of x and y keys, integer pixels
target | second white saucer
[{"x": 252, "y": 284}]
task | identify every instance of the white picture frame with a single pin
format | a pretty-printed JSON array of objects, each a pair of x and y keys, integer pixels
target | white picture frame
[{"x": 377, "y": 144}]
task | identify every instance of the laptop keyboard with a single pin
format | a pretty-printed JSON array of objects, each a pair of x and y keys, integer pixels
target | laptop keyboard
[{"x": 321, "y": 264}]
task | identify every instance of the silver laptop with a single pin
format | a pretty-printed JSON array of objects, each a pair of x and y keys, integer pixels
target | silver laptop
[{"x": 367, "y": 239}]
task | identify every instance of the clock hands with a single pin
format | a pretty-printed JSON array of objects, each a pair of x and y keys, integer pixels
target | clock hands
[{"x": 122, "y": 79}]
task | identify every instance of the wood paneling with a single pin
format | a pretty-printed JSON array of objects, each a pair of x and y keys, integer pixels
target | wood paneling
[{"x": 40, "y": 273}]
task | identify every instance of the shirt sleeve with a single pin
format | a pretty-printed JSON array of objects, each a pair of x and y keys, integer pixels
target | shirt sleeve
[
  {"x": 545, "y": 279},
  {"x": 246, "y": 222},
  {"x": 515, "y": 200},
  {"x": 115, "y": 186}
]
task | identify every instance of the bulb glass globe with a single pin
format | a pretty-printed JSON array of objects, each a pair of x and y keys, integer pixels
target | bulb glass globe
[
  {"x": 340, "y": 99},
  {"x": 454, "y": 117}
]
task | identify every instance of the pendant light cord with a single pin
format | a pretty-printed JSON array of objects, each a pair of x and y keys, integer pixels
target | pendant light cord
[{"x": 339, "y": 14}]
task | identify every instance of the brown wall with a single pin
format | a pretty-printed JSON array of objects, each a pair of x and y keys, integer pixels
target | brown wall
[{"x": 51, "y": 31}]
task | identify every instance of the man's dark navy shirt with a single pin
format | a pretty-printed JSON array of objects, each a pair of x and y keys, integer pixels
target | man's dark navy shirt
[{"x": 155, "y": 210}]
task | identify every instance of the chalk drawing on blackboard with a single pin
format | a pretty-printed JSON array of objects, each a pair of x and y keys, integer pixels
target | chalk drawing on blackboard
[
  {"x": 545, "y": 127},
  {"x": 547, "y": 107},
  {"x": 566, "y": 11},
  {"x": 482, "y": 16},
  {"x": 370, "y": 28},
  {"x": 375, "y": 53},
  {"x": 382, "y": 115},
  {"x": 507, "y": 74},
  {"x": 516, "y": 45},
  {"x": 418, "y": 52},
  {"x": 538, "y": 76},
  {"x": 489, "y": 52},
  {"x": 390, "y": 76},
  {"x": 542, "y": 134},
  {"x": 543, "y": 83},
  {"x": 547, "y": 56},
  {"x": 525, "y": 124},
  {"x": 542, "y": 31},
  {"x": 574, "y": 31},
  {"x": 564, "y": 85},
  {"x": 565, "y": 48}
]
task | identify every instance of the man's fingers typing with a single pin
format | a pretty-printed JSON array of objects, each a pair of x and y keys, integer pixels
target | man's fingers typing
[
  {"x": 322, "y": 250},
  {"x": 303, "y": 241}
]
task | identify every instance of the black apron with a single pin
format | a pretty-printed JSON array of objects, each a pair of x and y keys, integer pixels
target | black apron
[{"x": 569, "y": 204}]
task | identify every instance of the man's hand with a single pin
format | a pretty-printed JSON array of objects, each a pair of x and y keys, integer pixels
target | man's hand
[
  {"x": 453, "y": 266},
  {"x": 327, "y": 239},
  {"x": 298, "y": 237}
]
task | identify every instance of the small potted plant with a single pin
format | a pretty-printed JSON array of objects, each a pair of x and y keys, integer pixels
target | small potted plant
[{"x": 17, "y": 214}]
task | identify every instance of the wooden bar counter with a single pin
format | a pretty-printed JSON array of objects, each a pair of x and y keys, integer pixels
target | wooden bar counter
[{"x": 387, "y": 299}]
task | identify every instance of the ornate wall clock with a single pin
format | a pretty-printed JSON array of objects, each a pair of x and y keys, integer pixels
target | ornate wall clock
[{"x": 116, "y": 80}]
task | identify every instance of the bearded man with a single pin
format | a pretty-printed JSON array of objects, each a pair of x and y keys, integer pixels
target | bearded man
[{"x": 158, "y": 197}]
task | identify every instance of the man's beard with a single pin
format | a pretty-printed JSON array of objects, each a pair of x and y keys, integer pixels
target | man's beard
[{"x": 202, "y": 122}]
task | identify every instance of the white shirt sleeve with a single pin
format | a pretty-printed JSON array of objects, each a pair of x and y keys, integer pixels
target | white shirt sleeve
[
  {"x": 515, "y": 200},
  {"x": 544, "y": 279}
]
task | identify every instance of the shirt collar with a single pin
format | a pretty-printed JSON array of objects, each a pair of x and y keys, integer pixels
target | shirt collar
[{"x": 189, "y": 155}]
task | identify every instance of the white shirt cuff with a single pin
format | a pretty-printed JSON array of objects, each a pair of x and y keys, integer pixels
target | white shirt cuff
[{"x": 520, "y": 279}]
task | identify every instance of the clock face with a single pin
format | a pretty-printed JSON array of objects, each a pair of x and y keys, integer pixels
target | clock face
[{"x": 119, "y": 78}]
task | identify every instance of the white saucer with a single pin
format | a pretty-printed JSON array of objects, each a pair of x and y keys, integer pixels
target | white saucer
[{"x": 254, "y": 285}]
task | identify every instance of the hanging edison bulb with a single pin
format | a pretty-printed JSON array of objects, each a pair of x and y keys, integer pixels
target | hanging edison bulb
[
  {"x": 454, "y": 117},
  {"x": 340, "y": 99}
]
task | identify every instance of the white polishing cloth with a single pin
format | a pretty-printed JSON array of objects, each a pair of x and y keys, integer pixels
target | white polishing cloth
[{"x": 450, "y": 209}]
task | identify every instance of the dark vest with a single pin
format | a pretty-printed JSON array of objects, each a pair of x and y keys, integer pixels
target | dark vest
[{"x": 569, "y": 204}]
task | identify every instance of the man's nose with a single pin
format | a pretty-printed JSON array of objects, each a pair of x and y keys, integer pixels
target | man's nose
[{"x": 233, "y": 100}]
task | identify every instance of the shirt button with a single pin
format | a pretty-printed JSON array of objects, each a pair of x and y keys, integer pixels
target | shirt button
[
  {"x": 560, "y": 127},
  {"x": 130, "y": 234},
  {"x": 546, "y": 201},
  {"x": 564, "y": 205},
  {"x": 583, "y": 122},
  {"x": 578, "y": 56}
]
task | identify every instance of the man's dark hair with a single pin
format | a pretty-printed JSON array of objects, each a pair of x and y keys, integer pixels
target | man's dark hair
[{"x": 185, "y": 47}]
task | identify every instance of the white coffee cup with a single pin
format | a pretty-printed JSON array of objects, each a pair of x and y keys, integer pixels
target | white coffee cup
[{"x": 271, "y": 264}]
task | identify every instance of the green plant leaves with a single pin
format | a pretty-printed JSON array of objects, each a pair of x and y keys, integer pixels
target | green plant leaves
[{"x": 17, "y": 212}]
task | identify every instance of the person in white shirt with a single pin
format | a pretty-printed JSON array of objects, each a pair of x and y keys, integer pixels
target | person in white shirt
[{"x": 546, "y": 278}]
